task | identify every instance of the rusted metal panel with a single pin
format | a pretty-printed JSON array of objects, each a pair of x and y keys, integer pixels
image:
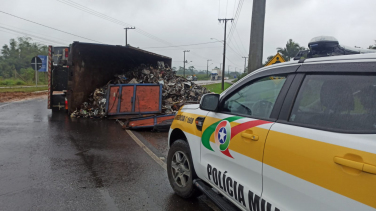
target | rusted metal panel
[
  {"x": 126, "y": 103},
  {"x": 140, "y": 123},
  {"x": 93, "y": 65},
  {"x": 137, "y": 99},
  {"x": 113, "y": 100},
  {"x": 148, "y": 98},
  {"x": 147, "y": 122},
  {"x": 164, "y": 118}
]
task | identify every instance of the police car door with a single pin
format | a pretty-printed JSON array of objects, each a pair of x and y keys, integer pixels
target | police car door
[
  {"x": 233, "y": 137},
  {"x": 321, "y": 153}
]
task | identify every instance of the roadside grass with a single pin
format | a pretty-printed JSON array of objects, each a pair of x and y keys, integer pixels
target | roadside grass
[
  {"x": 217, "y": 88},
  {"x": 202, "y": 77},
  {"x": 24, "y": 89},
  {"x": 9, "y": 82}
]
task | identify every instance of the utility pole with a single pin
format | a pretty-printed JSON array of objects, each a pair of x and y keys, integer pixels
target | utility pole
[
  {"x": 224, "y": 50},
  {"x": 245, "y": 62},
  {"x": 126, "y": 34},
  {"x": 228, "y": 71},
  {"x": 257, "y": 35},
  {"x": 207, "y": 67},
  {"x": 184, "y": 62}
]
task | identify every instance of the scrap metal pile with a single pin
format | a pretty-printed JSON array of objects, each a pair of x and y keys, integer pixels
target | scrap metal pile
[
  {"x": 176, "y": 90},
  {"x": 96, "y": 107}
]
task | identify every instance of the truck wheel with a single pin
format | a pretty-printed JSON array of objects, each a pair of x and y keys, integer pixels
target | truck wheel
[{"x": 180, "y": 169}]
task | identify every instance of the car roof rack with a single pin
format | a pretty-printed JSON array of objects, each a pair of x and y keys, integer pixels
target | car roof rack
[{"x": 323, "y": 46}]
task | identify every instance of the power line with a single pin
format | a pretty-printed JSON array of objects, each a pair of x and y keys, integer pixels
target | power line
[
  {"x": 233, "y": 26},
  {"x": 27, "y": 34},
  {"x": 237, "y": 47},
  {"x": 116, "y": 21},
  {"x": 182, "y": 45},
  {"x": 31, "y": 32},
  {"x": 106, "y": 17},
  {"x": 47, "y": 26},
  {"x": 241, "y": 41},
  {"x": 111, "y": 19},
  {"x": 40, "y": 41},
  {"x": 178, "y": 49},
  {"x": 232, "y": 62},
  {"x": 233, "y": 50},
  {"x": 233, "y": 11},
  {"x": 238, "y": 11}
]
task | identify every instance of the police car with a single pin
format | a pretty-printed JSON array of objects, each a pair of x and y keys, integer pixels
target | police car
[{"x": 299, "y": 135}]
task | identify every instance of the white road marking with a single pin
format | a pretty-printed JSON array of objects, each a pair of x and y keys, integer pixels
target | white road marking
[
  {"x": 4, "y": 105},
  {"x": 147, "y": 150},
  {"x": 160, "y": 162}
]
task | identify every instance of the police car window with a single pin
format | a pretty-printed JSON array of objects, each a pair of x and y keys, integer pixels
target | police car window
[
  {"x": 255, "y": 99},
  {"x": 344, "y": 102}
]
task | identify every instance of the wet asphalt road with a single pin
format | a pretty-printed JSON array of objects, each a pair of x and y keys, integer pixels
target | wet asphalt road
[
  {"x": 50, "y": 162},
  {"x": 206, "y": 82}
]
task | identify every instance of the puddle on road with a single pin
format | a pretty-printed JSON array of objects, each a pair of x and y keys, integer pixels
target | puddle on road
[
  {"x": 88, "y": 160},
  {"x": 159, "y": 140},
  {"x": 108, "y": 200}
]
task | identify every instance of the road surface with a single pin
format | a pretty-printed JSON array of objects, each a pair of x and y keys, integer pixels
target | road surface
[
  {"x": 51, "y": 162},
  {"x": 206, "y": 82}
]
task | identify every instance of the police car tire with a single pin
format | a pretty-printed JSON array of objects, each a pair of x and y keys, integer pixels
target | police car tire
[{"x": 190, "y": 190}]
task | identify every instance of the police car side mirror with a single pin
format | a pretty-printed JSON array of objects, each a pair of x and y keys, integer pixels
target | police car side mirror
[{"x": 209, "y": 102}]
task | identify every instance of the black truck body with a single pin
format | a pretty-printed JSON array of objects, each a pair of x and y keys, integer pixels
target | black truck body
[{"x": 91, "y": 66}]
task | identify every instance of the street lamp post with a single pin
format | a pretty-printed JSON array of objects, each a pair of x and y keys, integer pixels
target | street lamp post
[
  {"x": 207, "y": 67},
  {"x": 184, "y": 62}
]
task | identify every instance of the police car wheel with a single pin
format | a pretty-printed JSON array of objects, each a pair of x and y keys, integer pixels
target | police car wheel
[{"x": 180, "y": 169}]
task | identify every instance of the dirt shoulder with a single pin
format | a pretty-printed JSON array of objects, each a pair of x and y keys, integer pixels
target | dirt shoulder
[{"x": 17, "y": 96}]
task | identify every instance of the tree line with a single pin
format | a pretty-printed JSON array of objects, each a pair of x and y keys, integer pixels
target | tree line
[
  {"x": 15, "y": 60},
  {"x": 292, "y": 48}
]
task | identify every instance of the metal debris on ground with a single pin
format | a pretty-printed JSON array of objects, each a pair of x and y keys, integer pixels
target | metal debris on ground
[
  {"x": 95, "y": 108},
  {"x": 176, "y": 90}
]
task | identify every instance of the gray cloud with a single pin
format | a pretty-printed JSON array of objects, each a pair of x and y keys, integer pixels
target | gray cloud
[{"x": 185, "y": 22}]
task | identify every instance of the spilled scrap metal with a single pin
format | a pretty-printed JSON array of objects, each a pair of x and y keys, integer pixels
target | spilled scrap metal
[
  {"x": 95, "y": 108},
  {"x": 176, "y": 90}
]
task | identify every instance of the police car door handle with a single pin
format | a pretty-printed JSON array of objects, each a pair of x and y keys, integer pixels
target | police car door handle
[
  {"x": 356, "y": 165},
  {"x": 253, "y": 137}
]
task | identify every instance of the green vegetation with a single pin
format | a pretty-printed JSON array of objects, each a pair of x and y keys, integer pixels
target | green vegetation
[
  {"x": 288, "y": 52},
  {"x": 217, "y": 88},
  {"x": 292, "y": 48},
  {"x": 241, "y": 76},
  {"x": 15, "y": 61},
  {"x": 25, "y": 89},
  {"x": 202, "y": 77},
  {"x": 373, "y": 46},
  {"x": 11, "y": 82}
]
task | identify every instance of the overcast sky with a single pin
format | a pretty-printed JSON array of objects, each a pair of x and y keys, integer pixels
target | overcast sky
[{"x": 184, "y": 22}]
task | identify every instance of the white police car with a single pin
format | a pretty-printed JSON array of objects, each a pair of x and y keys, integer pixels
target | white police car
[{"x": 299, "y": 135}]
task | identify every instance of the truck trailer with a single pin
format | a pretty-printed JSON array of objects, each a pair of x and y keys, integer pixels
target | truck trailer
[{"x": 77, "y": 70}]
